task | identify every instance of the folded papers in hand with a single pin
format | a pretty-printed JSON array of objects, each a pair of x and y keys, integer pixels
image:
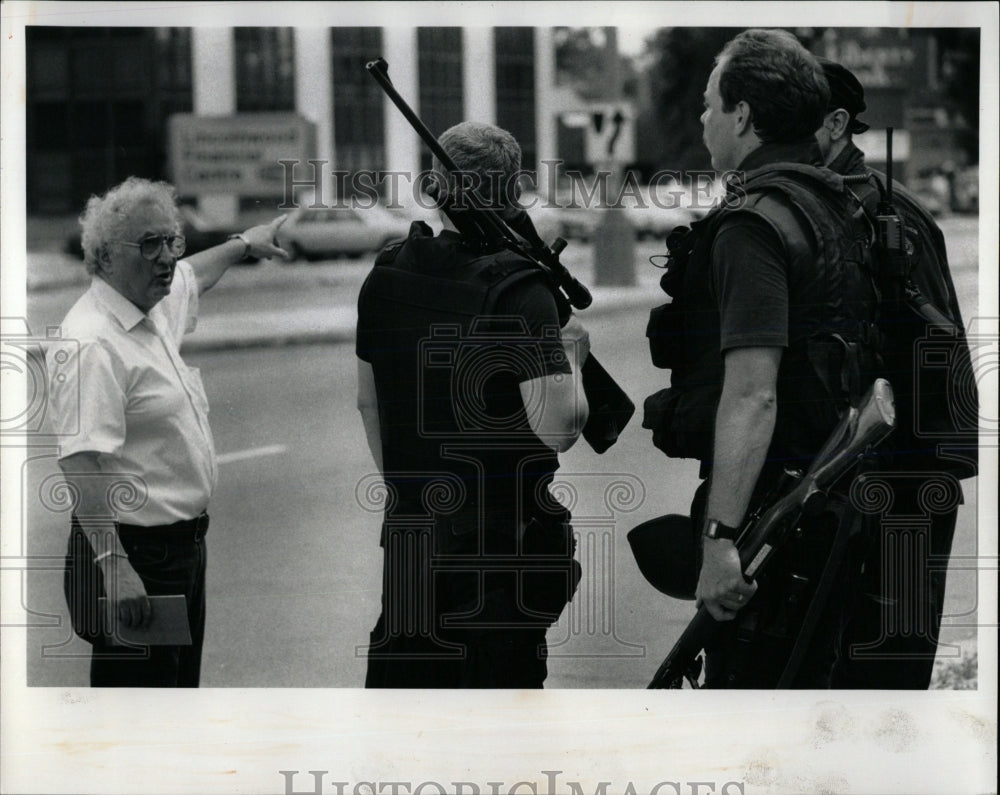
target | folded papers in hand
[{"x": 168, "y": 626}]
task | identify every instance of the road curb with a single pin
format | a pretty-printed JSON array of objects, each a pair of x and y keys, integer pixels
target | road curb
[
  {"x": 276, "y": 340},
  {"x": 638, "y": 298}
]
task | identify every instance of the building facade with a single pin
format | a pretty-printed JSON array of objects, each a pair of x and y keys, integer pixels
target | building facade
[{"x": 99, "y": 99}]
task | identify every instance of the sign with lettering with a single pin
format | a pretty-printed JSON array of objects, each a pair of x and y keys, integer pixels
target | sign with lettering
[{"x": 236, "y": 155}]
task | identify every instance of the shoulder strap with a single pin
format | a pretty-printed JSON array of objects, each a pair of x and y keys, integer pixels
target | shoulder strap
[{"x": 475, "y": 291}]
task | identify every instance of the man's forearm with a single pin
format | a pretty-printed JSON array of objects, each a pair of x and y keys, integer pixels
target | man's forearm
[
  {"x": 257, "y": 241},
  {"x": 742, "y": 437},
  {"x": 211, "y": 264},
  {"x": 369, "y": 416},
  {"x": 743, "y": 429}
]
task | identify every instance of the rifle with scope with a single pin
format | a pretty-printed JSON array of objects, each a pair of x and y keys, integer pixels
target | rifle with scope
[
  {"x": 610, "y": 407},
  {"x": 859, "y": 430}
]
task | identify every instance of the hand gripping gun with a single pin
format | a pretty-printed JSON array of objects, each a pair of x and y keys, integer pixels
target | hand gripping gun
[
  {"x": 856, "y": 434},
  {"x": 610, "y": 407}
]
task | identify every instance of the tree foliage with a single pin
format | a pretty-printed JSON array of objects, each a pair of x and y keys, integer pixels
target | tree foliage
[
  {"x": 581, "y": 62},
  {"x": 682, "y": 60},
  {"x": 959, "y": 53}
]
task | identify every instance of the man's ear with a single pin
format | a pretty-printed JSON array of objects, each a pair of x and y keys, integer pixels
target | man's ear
[
  {"x": 743, "y": 118},
  {"x": 104, "y": 258},
  {"x": 514, "y": 192},
  {"x": 839, "y": 122}
]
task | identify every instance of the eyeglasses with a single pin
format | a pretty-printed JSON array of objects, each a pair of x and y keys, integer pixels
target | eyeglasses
[{"x": 150, "y": 247}]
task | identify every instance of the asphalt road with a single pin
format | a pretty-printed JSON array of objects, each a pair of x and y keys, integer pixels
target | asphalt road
[{"x": 294, "y": 562}]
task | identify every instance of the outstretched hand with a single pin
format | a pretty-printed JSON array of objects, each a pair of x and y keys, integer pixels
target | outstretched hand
[{"x": 262, "y": 240}]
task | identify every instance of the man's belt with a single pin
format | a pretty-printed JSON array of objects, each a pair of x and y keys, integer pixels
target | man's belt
[{"x": 186, "y": 531}]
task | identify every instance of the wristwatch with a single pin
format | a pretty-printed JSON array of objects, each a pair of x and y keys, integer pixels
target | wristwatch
[
  {"x": 716, "y": 529},
  {"x": 244, "y": 241}
]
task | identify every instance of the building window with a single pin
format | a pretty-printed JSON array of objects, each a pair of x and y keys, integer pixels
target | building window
[
  {"x": 97, "y": 104},
  {"x": 358, "y": 110},
  {"x": 439, "y": 70},
  {"x": 515, "y": 88},
  {"x": 265, "y": 69}
]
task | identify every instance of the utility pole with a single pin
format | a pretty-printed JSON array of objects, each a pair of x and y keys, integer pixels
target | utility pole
[{"x": 614, "y": 238}]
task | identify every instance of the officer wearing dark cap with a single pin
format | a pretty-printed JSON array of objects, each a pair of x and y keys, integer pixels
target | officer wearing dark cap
[
  {"x": 892, "y": 637},
  {"x": 846, "y": 94}
]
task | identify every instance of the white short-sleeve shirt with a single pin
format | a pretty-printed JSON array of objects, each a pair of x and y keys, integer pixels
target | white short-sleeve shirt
[{"x": 118, "y": 387}]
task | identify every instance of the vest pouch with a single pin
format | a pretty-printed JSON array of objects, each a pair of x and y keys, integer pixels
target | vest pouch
[
  {"x": 835, "y": 367},
  {"x": 550, "y": 574},
  {"x": 928, "y": 363},
  {"x": 682, "y": 421},
  {"x": 665, "y": 334}
]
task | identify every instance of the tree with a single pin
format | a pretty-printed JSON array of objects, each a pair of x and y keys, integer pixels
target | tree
[
  {"x": 581, "y": 62},
  {"x": 959, "y": 52},
  {"x": 670, "y": 128}
]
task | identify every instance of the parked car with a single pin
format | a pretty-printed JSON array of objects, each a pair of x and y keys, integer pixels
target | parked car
[
  {"x": 653, "y": 216},
  {"x": 577, "y": 214},
  {"x": 547, "y": 219},
  {"x": 408, "y": 208},
  {"x": 314, "y": 233}
]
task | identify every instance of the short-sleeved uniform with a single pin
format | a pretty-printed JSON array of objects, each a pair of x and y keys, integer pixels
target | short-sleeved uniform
[
  {"x": 765, "y": 300},
  {"x": 466, "y": 472}
]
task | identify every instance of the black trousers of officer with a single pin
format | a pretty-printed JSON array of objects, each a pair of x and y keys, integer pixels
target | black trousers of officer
[
  {"x": 470, "y": 620},
  {"x": 169, "y": 560},
  {"x": 891, "y": 638}
]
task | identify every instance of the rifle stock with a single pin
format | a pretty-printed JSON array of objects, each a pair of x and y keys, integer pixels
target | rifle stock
[
  {"x": 610, "y": 407},
  {"x": 858, "y": 431}
]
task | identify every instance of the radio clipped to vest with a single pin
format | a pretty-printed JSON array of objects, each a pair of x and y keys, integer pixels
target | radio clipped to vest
[
  {"x": 666, "y": 322},
  {"x": 924, "y": 346}
]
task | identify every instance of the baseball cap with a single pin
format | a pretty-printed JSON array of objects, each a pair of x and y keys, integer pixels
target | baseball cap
[{"x": 846, "y": 92}]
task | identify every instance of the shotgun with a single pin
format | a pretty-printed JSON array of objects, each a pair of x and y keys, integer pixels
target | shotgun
[{"x": 859, "y": 430}]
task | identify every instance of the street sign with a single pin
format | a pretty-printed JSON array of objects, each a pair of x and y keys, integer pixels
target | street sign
[
  {"x": 610, "y": 132},
  {"x": 236, "y": 155}
]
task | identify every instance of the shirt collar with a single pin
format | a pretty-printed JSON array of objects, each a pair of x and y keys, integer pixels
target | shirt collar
[
  {"x": 124, "y": 311},
  {"x": 849, "y": 161},
  {"x": 805, "y": 151}
]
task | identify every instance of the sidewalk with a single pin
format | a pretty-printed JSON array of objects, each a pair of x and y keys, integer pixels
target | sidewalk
[{"x": 275, "y": 303}]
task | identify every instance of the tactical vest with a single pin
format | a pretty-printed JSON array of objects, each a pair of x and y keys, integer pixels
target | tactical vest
[
  {"x": 926, "y": 351},
  {"x": 824, "y": 368},
  {"x": 455, "y": 438}
]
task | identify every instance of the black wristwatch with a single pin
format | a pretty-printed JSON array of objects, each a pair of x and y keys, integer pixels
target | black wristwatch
[{"x": 716, "y": 529}]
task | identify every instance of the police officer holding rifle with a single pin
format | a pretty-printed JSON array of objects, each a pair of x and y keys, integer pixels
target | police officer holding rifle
[
  {"x": 470, "y": 382},
  {"x": 770, "y": 340}
]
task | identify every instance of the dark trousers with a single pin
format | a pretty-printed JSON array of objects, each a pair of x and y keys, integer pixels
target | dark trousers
[
  {"x": 466, "y": 621},
  {"x": 169, "y": 560},
  {"x": 891, "y": 637}
]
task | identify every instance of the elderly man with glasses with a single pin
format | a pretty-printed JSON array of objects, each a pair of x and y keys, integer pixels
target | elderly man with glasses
[{"x": 132, "y": 419}]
